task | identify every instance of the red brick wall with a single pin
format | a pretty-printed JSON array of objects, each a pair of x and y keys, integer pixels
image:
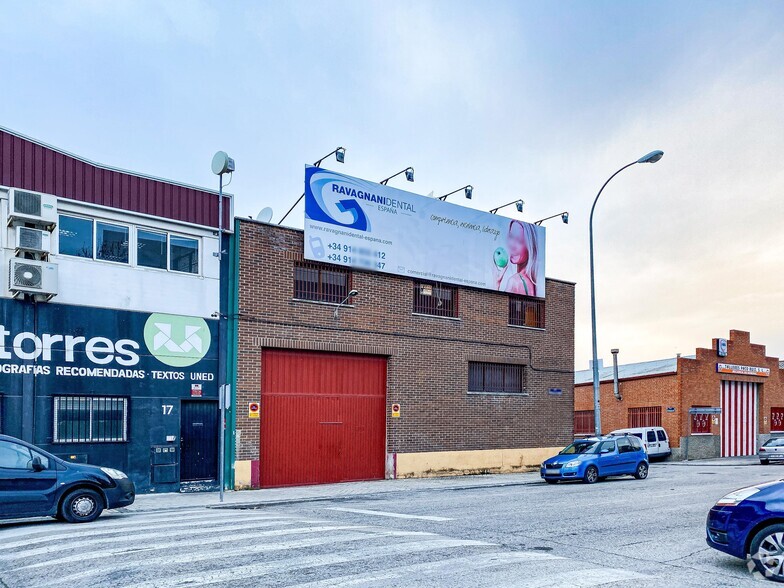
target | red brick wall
[
  {"x": 696, "y": 384},
  {"x": 428, "y": 356}
]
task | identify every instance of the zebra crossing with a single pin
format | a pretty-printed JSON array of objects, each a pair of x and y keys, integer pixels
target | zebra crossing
[{"x": 200, "y": 547}]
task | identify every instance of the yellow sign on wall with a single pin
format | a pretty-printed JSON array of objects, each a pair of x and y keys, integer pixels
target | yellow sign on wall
[
  {"x": 395, "y": 411},
  {"x": 254, "y": 410}
]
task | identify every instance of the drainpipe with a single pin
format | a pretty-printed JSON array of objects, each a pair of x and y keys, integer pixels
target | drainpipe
[{"x": 616, "y": 391}]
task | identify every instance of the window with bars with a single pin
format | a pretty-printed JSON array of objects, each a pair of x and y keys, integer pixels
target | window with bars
[
  {"x": 496, "y": 377},
  {"x": 645, "y": 416},
  {"x": 700, "y": 422},
  {"x": 583, "y": 422},
  {"x": 319, "y": 283},
  {"x": 90, "y": 419},
  {"x": 435, "y": 299},
  {"x": 526, "y": 312}
]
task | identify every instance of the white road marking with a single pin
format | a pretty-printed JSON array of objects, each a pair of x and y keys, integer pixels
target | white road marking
[
  {"x": 582, "y": 578},
  {"x": 395, "y": 515},
  {"x": 247, "y": 572},
  {"x": 455, "y": 565},
  {"x": 94, "y": 532}
]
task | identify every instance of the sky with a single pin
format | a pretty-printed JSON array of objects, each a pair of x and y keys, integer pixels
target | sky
[{"x": 535, "y": 100}]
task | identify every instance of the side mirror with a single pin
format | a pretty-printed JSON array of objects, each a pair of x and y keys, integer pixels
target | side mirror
[
  {"x": 37, "y": 465},
  {"x": 606, "y": 451}
]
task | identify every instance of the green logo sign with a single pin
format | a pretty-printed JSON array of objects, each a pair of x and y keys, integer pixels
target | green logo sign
[{"x": 178, "y": 341}]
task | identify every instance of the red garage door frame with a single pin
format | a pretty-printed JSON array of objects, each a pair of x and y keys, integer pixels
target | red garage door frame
[{"x": 323, "y": 417}]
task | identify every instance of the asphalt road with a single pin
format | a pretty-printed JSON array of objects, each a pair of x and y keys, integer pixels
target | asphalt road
[{"x": 619, "y": 532}]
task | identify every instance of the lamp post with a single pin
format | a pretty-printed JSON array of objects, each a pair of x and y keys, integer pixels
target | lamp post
[
  {"x": 409, "y": 171},
  {"x": 518, "y": 203},
  {"x": 651, "y": 157},
  {"x": 564, "y": 217},
  {"x": 469, "y": 190},
  {"x": 340, "y": 156}
]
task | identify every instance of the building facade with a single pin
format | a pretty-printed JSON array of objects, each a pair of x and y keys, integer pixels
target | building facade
[
  {"x": 406, "y": 378},
  {"x": 111, "y": 347},
  {"x": 722, "y": 401}
]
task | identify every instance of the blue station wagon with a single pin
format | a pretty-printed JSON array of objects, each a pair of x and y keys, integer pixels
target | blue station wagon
[{"x": 594, "y": 459}]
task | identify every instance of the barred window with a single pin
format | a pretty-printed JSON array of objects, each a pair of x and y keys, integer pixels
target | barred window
[
  {"x": 526, "y": 312},
  {"x": 313, "y": 281},
  {"x": 90, "y": 419},
  {"x": 645, "y": 416},
  {"x": 496, "y": 377},
  {"x": 435, "y": 299},
  {"x": 584, "y": 422}
]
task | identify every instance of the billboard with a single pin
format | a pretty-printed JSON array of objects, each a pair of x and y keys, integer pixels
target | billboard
[{"x": 368, "y": 226}]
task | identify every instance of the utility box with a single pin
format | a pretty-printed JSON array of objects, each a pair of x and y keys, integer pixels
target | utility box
[{"x": 164, "y": 460}]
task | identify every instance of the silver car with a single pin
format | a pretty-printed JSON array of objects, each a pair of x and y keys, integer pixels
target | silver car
[{"x": 772, "y": 450}]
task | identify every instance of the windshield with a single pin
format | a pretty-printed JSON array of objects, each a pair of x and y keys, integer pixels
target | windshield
[{"x": 578, "y": 447}]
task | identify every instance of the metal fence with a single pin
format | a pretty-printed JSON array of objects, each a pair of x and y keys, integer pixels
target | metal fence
[
  {"x": 313, "y": 281},
  {"x": 526, "y": 312},
  {"x": 435, "y": 299},
  {"x": 584, "y": 422}
]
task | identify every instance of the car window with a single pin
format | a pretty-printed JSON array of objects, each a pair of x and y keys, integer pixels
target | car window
[
  {"x": 638, "y": 435},
  {"x": 14, "y": 456},
  {"x": 774, "y": 442},
  {"x": 578, "y": 447},
  {"x": 43, "y": 458},
  {"x": 624, "y": 445},
  {"x": 660, "y": 434},
  {"x": 605, "y": 446},
  {"x": 636, "y": 443},
  {"x": 651, "y": 437}
]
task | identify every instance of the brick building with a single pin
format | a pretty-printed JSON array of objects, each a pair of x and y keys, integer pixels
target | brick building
[
  {"x": 722, "y": 401},
  {"x": 408, "y": 378}
]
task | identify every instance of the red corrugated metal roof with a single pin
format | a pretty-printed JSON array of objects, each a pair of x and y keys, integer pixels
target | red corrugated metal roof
[{"x": 32, "y": 165}]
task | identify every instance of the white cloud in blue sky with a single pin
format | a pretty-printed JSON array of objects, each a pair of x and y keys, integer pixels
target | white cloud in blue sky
[{"x": 539, "y": 100}]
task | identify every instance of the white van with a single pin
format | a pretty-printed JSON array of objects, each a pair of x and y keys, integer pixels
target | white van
[{"x": 654, "y": 439}]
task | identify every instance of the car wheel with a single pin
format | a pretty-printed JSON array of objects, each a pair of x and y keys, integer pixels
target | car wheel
[
  {"x": 591, "y": 475},
  {"x": 764, "y": 462},
  {"x": 642, "y": 471},
  {"x": 767, "y": 552},
  {"x": 551, "y": 481},
  {"x": 82, "y": 506}
]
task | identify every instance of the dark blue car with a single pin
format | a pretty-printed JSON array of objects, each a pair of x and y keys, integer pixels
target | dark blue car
[
  {"x": 34, "y": 483},
  {"x": 594, "y": 459},
  {"x": 750, "y": 523}
]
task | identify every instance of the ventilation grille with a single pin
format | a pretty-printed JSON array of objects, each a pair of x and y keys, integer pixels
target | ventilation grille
[
  {"x": 32, "y": 239},
  {"x": 27, "y": 275},
  {"x": 27, "y": 203}
]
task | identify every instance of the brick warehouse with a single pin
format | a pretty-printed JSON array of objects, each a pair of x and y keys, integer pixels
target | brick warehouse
[
  {"x": 722, "y": 401},
  {"x": 415, "y": 415}
]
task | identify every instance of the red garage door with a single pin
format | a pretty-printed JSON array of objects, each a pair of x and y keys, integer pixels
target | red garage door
[
  {"x": 738, "y": 418},
  {"x": 323, "y": 417}
]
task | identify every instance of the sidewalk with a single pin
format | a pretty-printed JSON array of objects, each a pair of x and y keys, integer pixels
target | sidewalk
[
  {"x": 746, "y": 460},
  {"x": 346, "y": 490}
]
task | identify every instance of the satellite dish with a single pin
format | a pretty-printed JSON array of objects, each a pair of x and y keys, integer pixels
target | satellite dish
[
  {"x": 222, "y": 163},
  {"x": 265, "y": 215}
]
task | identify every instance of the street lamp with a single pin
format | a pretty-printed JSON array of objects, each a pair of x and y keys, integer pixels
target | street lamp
[
  {"x": 409, "y": 171},
  {"x": 564, "y": 217},
  {"x": 469, "y": 190},
  {"x": 517, "y": 203},
  {"x": 651, "y": 157},
  {"x": 340, "y": 156}
]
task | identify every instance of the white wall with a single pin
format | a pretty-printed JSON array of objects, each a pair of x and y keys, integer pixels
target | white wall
[{"x": 106, "y": 284}]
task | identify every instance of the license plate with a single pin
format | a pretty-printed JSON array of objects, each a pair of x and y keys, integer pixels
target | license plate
[{"x": 551, "y": 472}]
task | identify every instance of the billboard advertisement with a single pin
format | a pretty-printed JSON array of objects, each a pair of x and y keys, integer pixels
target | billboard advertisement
[{"x": 368, "y": 226}]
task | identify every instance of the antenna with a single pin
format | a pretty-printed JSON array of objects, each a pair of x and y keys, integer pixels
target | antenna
[{"x": 265, "y": 215}]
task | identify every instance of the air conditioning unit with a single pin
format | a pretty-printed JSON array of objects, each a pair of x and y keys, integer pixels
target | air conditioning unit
[
  {"x": 33, "y": 240},
  {"x": 29, "y": 207},
  {"x": 27, "y": 276}
]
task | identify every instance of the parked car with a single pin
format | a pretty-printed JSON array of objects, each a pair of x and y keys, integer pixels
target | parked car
[
  {"x": 654, "y": 439},
  {"x": 748, "y": 522},
  {"x": 34, "y": 483},
  {"x": 594, "y": 459},
  {"x": 771, "y": 450}
]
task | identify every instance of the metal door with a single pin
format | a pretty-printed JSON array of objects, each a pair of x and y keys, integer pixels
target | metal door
[
  {"x": 198, "y": 440},
  {"x": 323, "y": 417},
  {"x": 738, "y": 418}
]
